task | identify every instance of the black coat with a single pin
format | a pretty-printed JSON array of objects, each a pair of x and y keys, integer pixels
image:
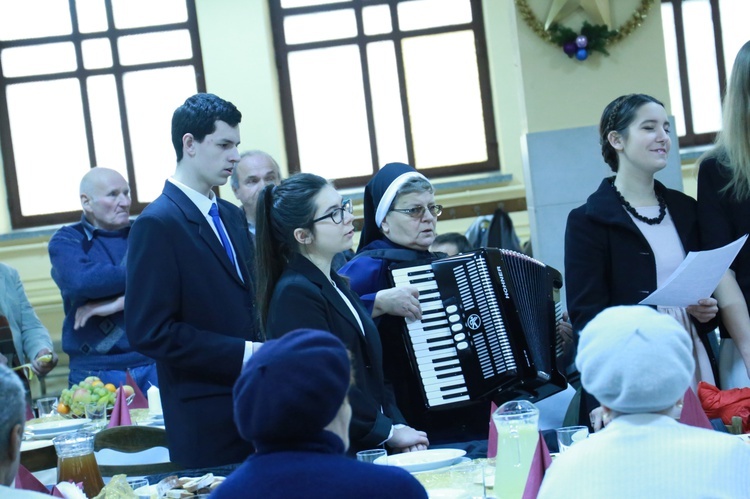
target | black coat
[
  {"x": 305, "y": 298},
  {"x": 723, "y": 219},
  {"x": 608, "y": 261},
  {"x": 187, "y": 308}
]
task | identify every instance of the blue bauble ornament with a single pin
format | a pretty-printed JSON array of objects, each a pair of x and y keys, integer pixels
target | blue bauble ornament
[
  {"x": 581, "y": 42},
  {"x": 582, "y": 54},
  {"x": 570, "y": 48}
]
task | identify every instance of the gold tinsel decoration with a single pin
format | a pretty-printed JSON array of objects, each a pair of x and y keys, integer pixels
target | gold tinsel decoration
[{"x": 623, "y": 31}]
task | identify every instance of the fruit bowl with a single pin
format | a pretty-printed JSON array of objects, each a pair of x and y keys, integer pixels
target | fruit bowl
[{"x": 92, "y": 390}]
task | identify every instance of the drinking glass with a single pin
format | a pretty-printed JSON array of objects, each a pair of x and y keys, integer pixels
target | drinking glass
[
  {"x": 369, "y": 456},
  {"x": 46, "y": 406},
  {"x": 97, "y": 413},
  {"x": 569, "y": 435},
  {"x": 469, "y": 477}
]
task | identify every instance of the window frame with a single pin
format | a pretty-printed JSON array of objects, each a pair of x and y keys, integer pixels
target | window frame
[
  {"x": 691, "y": 138},
  {"x": 492, "y": 164},
  {"x": 20, "y": 221}
]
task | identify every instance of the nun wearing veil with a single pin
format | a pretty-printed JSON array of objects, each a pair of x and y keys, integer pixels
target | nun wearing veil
[{"x": 400, "y": 217}]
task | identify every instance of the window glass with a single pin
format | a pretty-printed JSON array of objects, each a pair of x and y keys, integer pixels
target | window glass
[
  {"x": 151, "y": 97},
  {"x": 673, "y": 67},
  {"x": 141, "y": 13},
  {"x": 155, "y": 47},
  {"x": 41, "y": 146},
  {"x": 27, "y": 19},
  {"x": 701, "y": 64},
  {"x": 445, "y": 103},
  {"x": 734, "y": 33},
  {"x": 377, "y": 20},
  {"x": 386, "y": 102},
  {"x": 420, "y": 14},
  {"x": 306, "y": 28},
  {"x": 290, "y": 4},
  {"x": 106, "y": 123},
  {"x": 97, "y": 53},
  {"x": 32, "y": 60},
  {"x": 329, "y": 111},
  {"x": 92, "y": 16}
]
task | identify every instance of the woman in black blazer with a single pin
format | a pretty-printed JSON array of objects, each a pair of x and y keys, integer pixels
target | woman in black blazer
[{"x": 301, "y": 225}]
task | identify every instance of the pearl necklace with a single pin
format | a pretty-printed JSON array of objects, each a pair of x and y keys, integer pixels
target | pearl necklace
[{"x": 632, "y": 211}]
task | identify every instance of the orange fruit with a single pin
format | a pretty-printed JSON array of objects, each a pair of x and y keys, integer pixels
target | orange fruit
[
  {"x": 112, "y": 388},
  {"x": 97, "y": 383},
  {"x": 62, "y": 408}
]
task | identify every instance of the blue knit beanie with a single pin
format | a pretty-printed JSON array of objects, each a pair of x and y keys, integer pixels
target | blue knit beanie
[{"x": 291, "y": 387}]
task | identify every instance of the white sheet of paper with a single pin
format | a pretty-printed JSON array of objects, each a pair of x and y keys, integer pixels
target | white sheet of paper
[{"x": 696, "y": 277}]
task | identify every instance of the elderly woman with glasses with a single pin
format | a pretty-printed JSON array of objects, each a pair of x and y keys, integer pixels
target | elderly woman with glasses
[
  {"x": 399, "y": 226},
  {"x": 301, "y": 225}
]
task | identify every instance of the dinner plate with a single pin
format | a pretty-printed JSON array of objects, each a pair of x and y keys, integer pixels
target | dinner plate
[
  {"x": 423, "y": 460},
  {"x": 55, "y": 428}
]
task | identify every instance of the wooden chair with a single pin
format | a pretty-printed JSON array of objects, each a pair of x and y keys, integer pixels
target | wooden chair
[
  {"x": 130, "y": 439},
  {"x": 42, "y": 458}
]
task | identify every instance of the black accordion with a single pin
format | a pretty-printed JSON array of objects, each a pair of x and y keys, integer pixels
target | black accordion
[{"x": 488, "y": 327}]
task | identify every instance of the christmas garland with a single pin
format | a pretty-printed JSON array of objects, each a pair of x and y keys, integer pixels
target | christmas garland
[{"x": 592, "y": 37}]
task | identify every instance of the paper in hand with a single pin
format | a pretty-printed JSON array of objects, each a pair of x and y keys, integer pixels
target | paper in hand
[{"x": 697, "y": 276}]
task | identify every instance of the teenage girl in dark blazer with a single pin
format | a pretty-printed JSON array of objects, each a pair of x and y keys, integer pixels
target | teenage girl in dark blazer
[{"x": 301, "y": 225}]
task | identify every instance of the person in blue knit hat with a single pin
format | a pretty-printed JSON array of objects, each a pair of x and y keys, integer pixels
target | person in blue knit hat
[{"x": 291, "y": 403}]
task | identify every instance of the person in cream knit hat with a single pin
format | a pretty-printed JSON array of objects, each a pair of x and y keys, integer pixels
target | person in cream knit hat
[
  {"x": 634, "y": 359},
  {"x": 638, "y": 363}
]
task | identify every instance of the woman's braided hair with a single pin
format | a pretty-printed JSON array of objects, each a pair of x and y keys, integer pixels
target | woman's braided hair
[{"x": 617, "y": 117}]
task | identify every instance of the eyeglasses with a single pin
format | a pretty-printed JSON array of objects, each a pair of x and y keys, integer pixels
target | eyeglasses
[
  {"x": 337, "y": 214},
  {"x": 418, "y": 211}
]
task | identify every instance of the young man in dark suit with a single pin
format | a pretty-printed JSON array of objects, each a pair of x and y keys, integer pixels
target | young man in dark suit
[{"x": 189, "y": 302}]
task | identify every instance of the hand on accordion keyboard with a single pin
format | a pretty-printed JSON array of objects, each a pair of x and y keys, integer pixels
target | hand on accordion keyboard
[{"x": 401, "y": 302}]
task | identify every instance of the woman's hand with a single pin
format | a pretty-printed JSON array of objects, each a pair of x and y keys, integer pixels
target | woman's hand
[
  {"x": 598, "y": 420},
  {"x": 407, "y": 439},
  {"x": 705, "y": 310},
  {"x": 402, "y": 302}
]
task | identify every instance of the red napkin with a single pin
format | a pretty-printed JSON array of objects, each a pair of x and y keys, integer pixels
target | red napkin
[
  {"x": 725, "y": 403},
  {"x": 29, "y": 413},
  {"x": 692, "y": 412},
  {"x": 539, "y": 464},
  {"x": 121, "y": 412},
  {"x": 139, "y": 401},
  {"x": 492, "y": 437},
  {"x": 27, "y": 481}
]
